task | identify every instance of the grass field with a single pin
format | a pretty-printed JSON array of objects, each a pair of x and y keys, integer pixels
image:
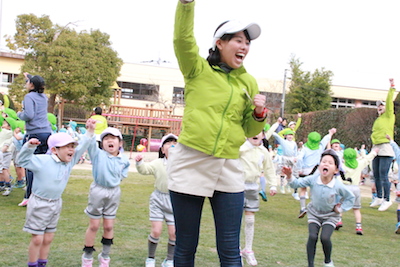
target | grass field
[{"x": 280, "y": 237}]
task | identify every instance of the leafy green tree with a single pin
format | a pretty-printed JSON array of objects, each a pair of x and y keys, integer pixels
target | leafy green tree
[
  {"x": 308, "y": 91},
  {"x": 78, "y": 67}
]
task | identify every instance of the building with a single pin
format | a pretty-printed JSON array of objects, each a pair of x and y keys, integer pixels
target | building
[{"x": 142, "y": 85}]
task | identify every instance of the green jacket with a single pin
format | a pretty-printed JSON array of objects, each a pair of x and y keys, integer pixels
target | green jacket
[
  {"x": 384, "y": 124},
  {"x": 218, "y": 115}
]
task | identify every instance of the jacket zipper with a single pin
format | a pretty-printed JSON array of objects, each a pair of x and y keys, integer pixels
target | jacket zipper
[{"x": 223, "y": 116}]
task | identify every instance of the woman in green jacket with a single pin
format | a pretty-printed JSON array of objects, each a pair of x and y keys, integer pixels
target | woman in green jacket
[
  {"x": 222, "y": 107},
  {"x": 383, "y": 125}
]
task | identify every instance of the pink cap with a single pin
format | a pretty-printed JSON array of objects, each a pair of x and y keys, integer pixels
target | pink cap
[{"x": 60, "y": 139}]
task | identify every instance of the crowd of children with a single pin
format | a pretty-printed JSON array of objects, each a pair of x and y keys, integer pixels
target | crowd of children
[{"x": 332, "y": 173}]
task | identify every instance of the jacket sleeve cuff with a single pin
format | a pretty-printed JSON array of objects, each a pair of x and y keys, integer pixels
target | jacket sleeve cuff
[{"x": 260, "y": 116}]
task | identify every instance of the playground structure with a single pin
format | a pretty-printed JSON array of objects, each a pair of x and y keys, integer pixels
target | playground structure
[{"x": 134, "y": 123}]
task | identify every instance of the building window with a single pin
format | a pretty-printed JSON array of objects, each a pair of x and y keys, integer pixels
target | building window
[
  {"x": 139, "y": 91},
  {"x": 7, "y": 78},
  {"x": 178, "y": 96}
]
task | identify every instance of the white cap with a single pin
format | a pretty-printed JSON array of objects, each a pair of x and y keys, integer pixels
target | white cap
[
  {"x": 380, "y": 102},
  {"x": 112, "y": 131},
  {"x": 234, "y": 26},
  {"x": 292, "y": 122},
  {"x": 165, "y": 137}
]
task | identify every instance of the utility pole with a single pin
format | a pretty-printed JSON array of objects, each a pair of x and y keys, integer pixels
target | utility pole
[{"x": 283, "y": 94}]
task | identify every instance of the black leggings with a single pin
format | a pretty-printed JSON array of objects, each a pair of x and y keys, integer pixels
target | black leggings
[{"x": 326, "y": 233}]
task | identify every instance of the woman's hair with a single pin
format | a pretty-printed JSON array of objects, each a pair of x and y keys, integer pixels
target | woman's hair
[
  {"x": 38, "y": 83},
  {"x": 214, "y": 56}
]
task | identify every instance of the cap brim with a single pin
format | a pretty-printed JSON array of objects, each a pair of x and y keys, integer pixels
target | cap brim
[{"x": 234, "y": 26}]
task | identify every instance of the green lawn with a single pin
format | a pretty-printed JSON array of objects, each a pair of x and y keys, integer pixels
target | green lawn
[{"x": 280, "y": 237}]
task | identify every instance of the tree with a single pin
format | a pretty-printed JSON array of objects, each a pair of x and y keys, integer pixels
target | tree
[
  {"x": 78, "y": 67},
  {"x": 308, "y": 91}
]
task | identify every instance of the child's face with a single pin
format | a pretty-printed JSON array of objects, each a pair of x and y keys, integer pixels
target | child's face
[
  {"x": 256, "y": 140},
  {"x": 289, "y": 137},
  {"x": 111, "y": 144},
  {"x": 292, "y": 126},
  {"x": 6, "y": 125},
  {"x": 166, "y": 146},
  {"x": 327, "y": 167},
  {"x": 64, "y": 153},
  {"x": 335, "y": 146}
]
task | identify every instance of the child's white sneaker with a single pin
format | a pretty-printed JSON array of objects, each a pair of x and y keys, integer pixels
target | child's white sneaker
[
  {"x": 376, "y": 202},
  {"x": 7, "y": 191},
  {"x": 167, "y": 263},
  {"x": 24, "y": 202},
  {"x": 330, "y": 264},
  {"x": 296, "y": 196},
  {"x": 249, "y": 256},
  {"x": 150, "y": 262}
]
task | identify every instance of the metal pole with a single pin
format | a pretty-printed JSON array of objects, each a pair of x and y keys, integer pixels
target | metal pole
[{"x": 283, "y": 94}]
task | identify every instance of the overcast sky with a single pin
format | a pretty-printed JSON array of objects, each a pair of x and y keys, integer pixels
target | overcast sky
[{"x": 359, "y": 41}]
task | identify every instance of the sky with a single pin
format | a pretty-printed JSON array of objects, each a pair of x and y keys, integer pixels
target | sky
[{"x": 358, "y": 40}]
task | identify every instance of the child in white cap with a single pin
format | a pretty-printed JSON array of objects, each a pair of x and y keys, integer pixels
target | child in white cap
[
  {"x": 51, "y": 173},
  {"x": 109, "y": 167},
  {"x": 160, "y": 201}
]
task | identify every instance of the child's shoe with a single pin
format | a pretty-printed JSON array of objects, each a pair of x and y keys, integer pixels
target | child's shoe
[
  {"x": 87, "y": 262},
  {"x": 376, "y": 202},
  {"x": 288, "y": 189},
  {"x": 338, "y": 226},
  {"x": 24, "y": 202},
  {"x": 397, "y": 228},
  {"x": 167, "y": 263},
  {"x": 249, "y": 256},
  {"x": 302, "y": 213},
  {"x": 19, "y": 184},
  {"x": 150, "y": 262},
  {"x": 282, "y": 190},
  {"x": 103, "y": 262},
  {"x": 263, "y": 195},
  {"x": 296, "y": 196},
  {"x": 359, "y": 230},
  {"x": 7, "y": 191},
  {"x": 329, "y": 264}
]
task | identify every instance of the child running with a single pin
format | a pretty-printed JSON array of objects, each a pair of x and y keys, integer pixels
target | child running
[
  {"x": 289, "y": 153},
  {"x": 51, "y": 177},
  {"x": 255, "y": 159},
  {"x": 160, "y": 202},
  {"x": 353, "y": 167},
  {"x": 329, "y": 197},
  {"x": 110, "y": 166},
  {"x": 308, "y": 160}
]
